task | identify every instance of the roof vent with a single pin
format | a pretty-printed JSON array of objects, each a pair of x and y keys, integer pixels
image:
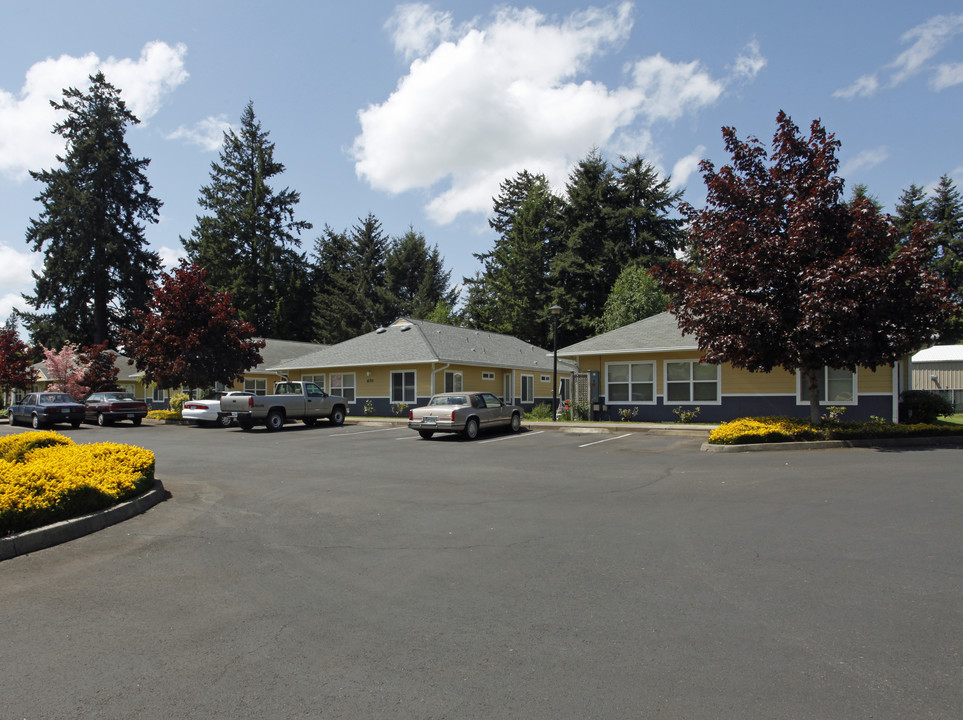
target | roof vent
[
  {"x": 405, "y": 328},
  {"x": 380, "y": 331}
]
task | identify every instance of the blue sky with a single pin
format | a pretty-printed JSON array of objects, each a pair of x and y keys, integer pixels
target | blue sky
[{"x": 415, "y": 112}]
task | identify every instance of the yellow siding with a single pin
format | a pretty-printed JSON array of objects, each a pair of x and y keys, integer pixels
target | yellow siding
[
  {"x": 874, "y": 381},
  {"x": 735, "y": 381}
]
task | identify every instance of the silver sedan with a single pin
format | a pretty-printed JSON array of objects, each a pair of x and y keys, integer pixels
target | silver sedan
[{"x": 464, "y": 412}]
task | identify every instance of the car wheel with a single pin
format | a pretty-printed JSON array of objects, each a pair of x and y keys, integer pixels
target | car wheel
[
  {"x": 310, "y": 422},
  {"x": 11, "y": 419},
  {"x": 225, "y": 421},
  {"x": 75, "y": 424},
  {"x": 245, "y": 424},
  {"x": 426, "y": 434},
  {"x": 516, "y": 422},
  {"x": 471, "y": 428},
  {"x": 137, "y": 421},
  {"x": 275, "y": 420},
  {"x": 35, "y": 422},
  {"x": 337, "y": 416},
  {"x": 101, "y": 420}
]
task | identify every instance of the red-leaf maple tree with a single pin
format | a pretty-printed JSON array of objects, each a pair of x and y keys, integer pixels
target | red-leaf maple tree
[
  {"x": 785, "y": 274},
  {"x": 191, "y": 335},
  {"x": 101, "y": 371},
  {"x": 15, "y": 363}
]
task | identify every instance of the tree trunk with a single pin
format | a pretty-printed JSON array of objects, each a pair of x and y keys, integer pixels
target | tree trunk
[{"x": 813, "y": 377}]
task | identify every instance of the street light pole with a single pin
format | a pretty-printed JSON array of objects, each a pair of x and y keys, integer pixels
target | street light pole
[{"x": 555, "y": 310}]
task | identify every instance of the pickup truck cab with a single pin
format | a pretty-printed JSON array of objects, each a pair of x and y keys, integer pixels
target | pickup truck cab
[{"x": 292, "y": 400}]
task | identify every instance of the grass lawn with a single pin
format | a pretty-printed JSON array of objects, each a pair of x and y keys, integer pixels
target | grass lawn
[{"x": 952, "y": 419}]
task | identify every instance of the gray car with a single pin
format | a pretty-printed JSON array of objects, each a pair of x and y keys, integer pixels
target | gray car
[{"x": 464, "y": 412}]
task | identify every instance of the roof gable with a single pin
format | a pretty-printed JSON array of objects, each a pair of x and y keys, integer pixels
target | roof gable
[{"x": 659, "y": 332}]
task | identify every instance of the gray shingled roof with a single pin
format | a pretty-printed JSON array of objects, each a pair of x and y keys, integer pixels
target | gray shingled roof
[
  {"x": 275, "y": 352},
  {"x": 659, "y": 332},
  {"x": 419, "y": 341}
]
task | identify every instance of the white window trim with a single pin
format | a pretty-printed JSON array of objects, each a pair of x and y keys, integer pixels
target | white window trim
[
  {"x": 455, "y": 374},
  {"x": 318, "y": 380},
  {"x": 391, "y": 387},
  {"x": 488, "y": 376},
  {"x": 851, "y": 402},
  {"x": 531, "y": 388},
  {"x": 630, "y": 401},
  {"x": 692, "y": 363},
  {"x": 340, "y": 389}
]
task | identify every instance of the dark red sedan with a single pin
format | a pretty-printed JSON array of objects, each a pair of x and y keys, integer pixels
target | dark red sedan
[{"x": 105, "y": 408}]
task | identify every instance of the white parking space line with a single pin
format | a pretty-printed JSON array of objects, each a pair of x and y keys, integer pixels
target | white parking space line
[
  {"x": 512, "y": 437},
  {"x": 348, "y": 433},
  {"x": 598, "y": 442}
]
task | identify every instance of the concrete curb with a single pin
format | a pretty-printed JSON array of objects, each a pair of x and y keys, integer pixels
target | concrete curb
[
  {"x": 830, "y": 444},
  {"x": 40, "y": 538}
]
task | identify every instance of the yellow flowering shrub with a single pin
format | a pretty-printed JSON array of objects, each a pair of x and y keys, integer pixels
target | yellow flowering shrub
[
  {"x": 761, "y": 430},
  {"x": 63, "y": 480},
  {"x": 14, "y": 447},
  {"x": 785, "y": 429},
  {"x": 163, "y": 415}
]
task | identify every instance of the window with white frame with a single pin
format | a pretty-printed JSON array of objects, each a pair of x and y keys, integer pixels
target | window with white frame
[
  {"x": 343, "y": 384},
  {"x": 258, "y": 386},
  {"x": 528, "y": 388},
  {"x": 837, "y": 385},
  {"x": 316, "y": 379},
  {"x": 159, "y": 394},
  {"x": 690, "y": 381},
  {"x": 546, "y": 378},
  {"x": 403, "y": 386},
  {"x": 630, "y": 382},
  {"x": 488, "y": 376},
  {"x": 453, "y": 381}
]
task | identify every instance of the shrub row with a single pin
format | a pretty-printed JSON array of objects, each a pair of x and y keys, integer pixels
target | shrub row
[
  {"x": 45, "y": 477},
  {"x": 785, "y": 429}
]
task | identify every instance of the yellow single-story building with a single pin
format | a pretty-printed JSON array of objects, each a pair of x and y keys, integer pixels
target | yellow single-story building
[
  {"x": 403, "y": 365},
  {"x": 650, "y": 368}
]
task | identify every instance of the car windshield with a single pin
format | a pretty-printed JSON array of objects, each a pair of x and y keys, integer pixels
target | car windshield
[
  {"x": 449, "y": 400},
  {"x": 54, "y": 398}
]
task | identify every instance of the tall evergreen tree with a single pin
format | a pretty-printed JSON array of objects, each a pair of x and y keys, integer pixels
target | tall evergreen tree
[
  {"x": 335, "y": 316},
  {"x": 945, "y": 212},
  {"x": 415, "y": 277},
  {"x": 645, "y": 233},
  {"x": 512, "y": 293},
  {"x": 584, "y": 270},
  {"x": 615, "y": 217},
  {"x": 248, "y": 241},
  {"x": 97, "y": 268},
  {"x": 349, "y": 280},
  {"x": 911, "y": 208}
]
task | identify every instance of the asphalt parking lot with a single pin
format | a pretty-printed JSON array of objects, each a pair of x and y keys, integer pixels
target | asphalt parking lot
[{"x": 362, "y": 572}]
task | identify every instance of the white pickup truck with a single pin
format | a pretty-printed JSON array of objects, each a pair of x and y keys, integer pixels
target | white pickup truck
[{"x": 291, "y": 400}]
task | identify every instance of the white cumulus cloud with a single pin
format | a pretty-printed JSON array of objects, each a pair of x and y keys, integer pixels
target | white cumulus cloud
[
  {"x": 865, "y": 160},
  {"x": 925, "y": 42},
  {"x": 26, "y": 117},
  {"x": 208, "y": 134},
  {"x": 485, "y": 99}
]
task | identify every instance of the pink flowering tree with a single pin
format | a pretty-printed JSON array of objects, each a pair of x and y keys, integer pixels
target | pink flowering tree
[{"x": 66, "y": 370}]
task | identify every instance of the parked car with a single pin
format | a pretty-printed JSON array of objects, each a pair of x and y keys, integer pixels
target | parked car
[
  {"x": 292, "y": 400},
  {"x": 47, "y": 408},
  {"x": 105, "y": 408},
  {"x": 464, "y": 412},
  {"x": 207, "y": 411}
]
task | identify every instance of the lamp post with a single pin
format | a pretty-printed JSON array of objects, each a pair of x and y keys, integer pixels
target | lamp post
[{"x": 555, "y": 310}]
